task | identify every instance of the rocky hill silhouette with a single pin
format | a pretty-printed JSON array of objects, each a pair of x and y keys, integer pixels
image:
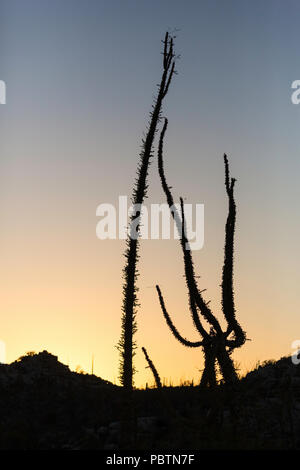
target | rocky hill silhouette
[
  {"x": 44, "y": 405},
  {"x": 34, "y": 367}
]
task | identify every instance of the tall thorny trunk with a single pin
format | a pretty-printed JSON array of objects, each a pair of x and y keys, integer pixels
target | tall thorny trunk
[{"x": 127, "y": 344}]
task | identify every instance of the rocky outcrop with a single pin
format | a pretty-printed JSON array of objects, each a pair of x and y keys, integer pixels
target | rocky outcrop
[{"x": 43, "y": 405}]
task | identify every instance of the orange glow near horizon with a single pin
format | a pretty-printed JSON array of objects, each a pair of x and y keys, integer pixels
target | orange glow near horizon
[{"x": 74, "y": 312}]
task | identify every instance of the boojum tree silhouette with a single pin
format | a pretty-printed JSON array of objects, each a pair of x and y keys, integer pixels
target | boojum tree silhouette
[
  {"x": 127, "y": 345},
  {"x": 217, "y": 344}
]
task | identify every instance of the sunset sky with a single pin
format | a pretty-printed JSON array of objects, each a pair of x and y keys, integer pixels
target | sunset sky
[{"x": 81, "y": 78}]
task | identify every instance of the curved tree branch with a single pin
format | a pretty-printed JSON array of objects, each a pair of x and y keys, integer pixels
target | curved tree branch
[
  {"x": 190, "y": 344},
  {"x": 227, "y": 275}
]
